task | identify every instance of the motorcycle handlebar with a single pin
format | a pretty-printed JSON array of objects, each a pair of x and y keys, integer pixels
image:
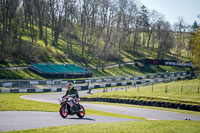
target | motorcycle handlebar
[
  {"x": 69, "y": 96},
  {"x": 72, "y": 95}
]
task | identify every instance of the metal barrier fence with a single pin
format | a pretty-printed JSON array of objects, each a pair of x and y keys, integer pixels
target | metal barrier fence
[
  {"x": 32, "y": 83},
  {"x": 97, "y": 82}
]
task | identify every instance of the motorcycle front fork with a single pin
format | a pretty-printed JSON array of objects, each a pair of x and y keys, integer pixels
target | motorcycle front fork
[{"x": 65, "y": 108}]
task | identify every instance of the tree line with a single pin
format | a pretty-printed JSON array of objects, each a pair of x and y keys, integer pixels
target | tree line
[{"x": 108, "y": 27}]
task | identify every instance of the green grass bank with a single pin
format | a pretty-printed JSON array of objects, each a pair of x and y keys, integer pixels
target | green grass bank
[{"x": 186, "y": 92}]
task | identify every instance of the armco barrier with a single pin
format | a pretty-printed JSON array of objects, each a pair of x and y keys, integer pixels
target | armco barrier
[
  {"x": 138, "y": 80},
  {"x": 146, "y": 103},
  {"x": 29, "y": 83},
  {"x": 124, "y": 83},
  {"x": 85, "y": 87},
  {"x": 29, "y": 90}
]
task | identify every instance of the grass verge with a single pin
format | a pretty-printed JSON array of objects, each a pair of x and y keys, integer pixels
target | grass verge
[
  {"x": 125, "y": 127},
  {"x": 13, "y": 102},
  {"x": 176, "y": 92}
]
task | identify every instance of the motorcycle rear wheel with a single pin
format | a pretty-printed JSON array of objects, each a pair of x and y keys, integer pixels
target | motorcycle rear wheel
[
  {"x": 63, "y": 113},
  {"x": 81, "y": 112}
]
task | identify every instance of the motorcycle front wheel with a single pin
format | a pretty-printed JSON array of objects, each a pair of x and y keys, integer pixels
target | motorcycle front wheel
[
  {"x": 63, "y": 111},
  {"x": 81, "y": 112}
]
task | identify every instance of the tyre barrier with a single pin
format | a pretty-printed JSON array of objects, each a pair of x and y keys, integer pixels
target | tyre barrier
[
  {"x": 30, "y": 90},
  {"x": 145, "y": 103}
]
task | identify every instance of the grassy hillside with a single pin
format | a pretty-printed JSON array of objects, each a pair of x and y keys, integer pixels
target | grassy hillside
[
  {"x": 37, "y": 51},
  {"x": 136, "y": 70},
  {"x": 115, "y": 71},
  {"x": 19, "y": 74},
  {"x": 28, "y": 52}
]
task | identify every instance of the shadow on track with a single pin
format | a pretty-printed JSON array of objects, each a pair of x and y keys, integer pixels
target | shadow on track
[{"x": 82, "y": 119}]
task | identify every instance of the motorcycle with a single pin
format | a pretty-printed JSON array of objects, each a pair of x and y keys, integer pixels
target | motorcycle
[{"x": 69, "y": 105}]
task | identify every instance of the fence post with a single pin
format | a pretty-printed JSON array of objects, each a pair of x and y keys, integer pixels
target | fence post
[
  {"x": 27, "y": 84},
  {"x": 126, "y": 89},
  {"x": 182, "y": 88},
  {"x": 138, "y": 88},
  {"x": 19, "y": 84},
  {"x": 166, "y": 89}
]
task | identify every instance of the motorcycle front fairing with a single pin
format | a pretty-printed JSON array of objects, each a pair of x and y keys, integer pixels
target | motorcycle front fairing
[{"x": 71, "y": 107}]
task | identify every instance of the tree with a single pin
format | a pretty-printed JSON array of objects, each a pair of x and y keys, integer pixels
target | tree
[
  {"x": 83, "y": 23},
  {"x": 132, "y": 24},
  {"x": 196, "y": 48},
  {"x": 58, "y": 18},
  {"x": 133, "y": 13},
  {"x": 144, "y": 22},
  {"x": 8, "y": 27},
  {"x": 71, "y": 9},
  {"x": 7, "y": 13},
  {"x": 180, "y": 29},
  {"x": 164, "y": 37},
  {"x": 194, "y": 26},
  {"x": 122, "y": 26},
  {"x": 107, "y": 31},
  {"x": 153, "y": 18},
  {"x": 40, "y": 6}
]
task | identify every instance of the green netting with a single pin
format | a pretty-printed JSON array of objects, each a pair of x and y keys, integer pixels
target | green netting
[
  {"x": 54, "y": 68},
  {"x": 59, "y": 68},
  {"x": 44, "y": 68},
  {"x": 75, "y": 68}
]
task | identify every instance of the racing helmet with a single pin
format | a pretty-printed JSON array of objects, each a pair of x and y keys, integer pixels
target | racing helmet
[{"x": 70, "y": 85}]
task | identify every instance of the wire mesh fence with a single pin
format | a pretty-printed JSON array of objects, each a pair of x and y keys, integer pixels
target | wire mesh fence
[{"x": 21, "y": 84}]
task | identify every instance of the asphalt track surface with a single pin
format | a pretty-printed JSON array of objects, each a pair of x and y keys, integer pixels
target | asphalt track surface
[
  {"x": 20, "y": 120},
  {"x": 150, "y": 114}
]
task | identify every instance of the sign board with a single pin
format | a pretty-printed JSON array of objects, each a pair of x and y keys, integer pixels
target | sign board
[{"x": 168, "y": 63}]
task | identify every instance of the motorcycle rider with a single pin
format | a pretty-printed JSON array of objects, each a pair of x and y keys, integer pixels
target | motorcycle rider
[{"x": 72, "y": 92}]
